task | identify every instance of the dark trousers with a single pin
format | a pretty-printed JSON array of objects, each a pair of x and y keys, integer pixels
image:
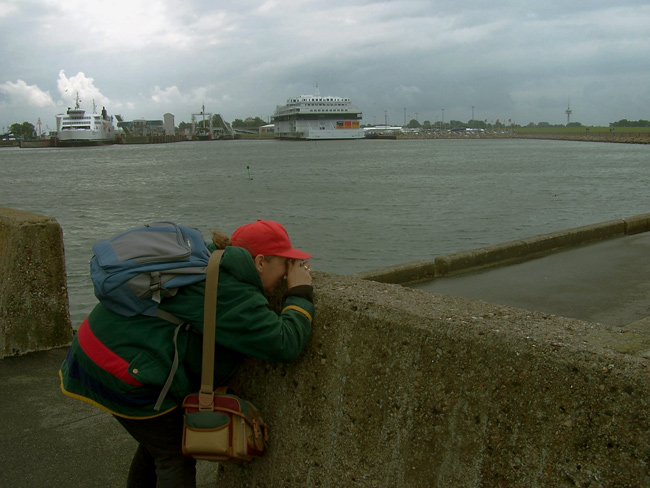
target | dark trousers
[{"x": 159, "y": 461}]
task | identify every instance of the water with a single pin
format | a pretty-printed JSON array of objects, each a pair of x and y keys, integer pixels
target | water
[{"x": 355, "y": 205}]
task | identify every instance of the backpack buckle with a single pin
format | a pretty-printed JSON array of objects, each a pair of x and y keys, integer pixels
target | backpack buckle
[{"x": 155, "y": 286}]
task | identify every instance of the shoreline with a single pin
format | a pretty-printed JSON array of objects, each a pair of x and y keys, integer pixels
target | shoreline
[{"x": 614, "y": 137}]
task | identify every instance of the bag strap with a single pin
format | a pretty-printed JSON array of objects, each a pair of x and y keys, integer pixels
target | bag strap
[{"x": 206, "y": 396}]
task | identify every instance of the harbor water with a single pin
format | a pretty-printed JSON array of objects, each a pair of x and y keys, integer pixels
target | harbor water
[{"x": 355, "y": 205}]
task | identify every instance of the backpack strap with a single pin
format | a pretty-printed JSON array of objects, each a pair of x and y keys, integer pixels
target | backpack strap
[
  {"x": 172, "y": 372},
  {"x": 168, "y": 383},
  {"x": 209, "y": 320},
  {"x": 161, "y": 314},
  {"x": 206, "y": 396}
]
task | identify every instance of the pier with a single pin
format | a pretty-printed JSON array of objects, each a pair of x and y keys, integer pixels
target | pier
[{"x": 398, "y": 386}]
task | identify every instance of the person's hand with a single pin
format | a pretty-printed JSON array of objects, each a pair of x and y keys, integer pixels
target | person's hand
[{"x": 298, "y": 273}]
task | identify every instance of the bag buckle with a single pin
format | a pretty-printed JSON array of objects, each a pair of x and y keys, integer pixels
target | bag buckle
[
  {"x": 155, "y": 286},
  {"x": 206, "y": 401}
]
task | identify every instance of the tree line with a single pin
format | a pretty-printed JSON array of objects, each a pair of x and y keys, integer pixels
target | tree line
[
  {"x": 631, "y": 123},
  {"x": 502, "y": 124},
  {"x": 23, "y": 131},
  {"x": 249, "y": 123}
]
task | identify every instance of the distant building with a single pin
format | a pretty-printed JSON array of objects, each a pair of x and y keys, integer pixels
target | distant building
[
  {"x": 169, "y": 124},
  {"x": 142, "y": 127},
  {"x": 267, "y": 129}
]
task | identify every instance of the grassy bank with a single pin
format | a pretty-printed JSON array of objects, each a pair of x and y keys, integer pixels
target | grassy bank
[
  {"x": 582, "y": 130},
  {"x": 631, "y": 135},
  {"x": 626, "y": 135}
]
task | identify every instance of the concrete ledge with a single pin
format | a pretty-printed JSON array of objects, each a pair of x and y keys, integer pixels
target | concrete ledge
[
  {"x": 400, "y": 387},
  {"x": 516, "y": 251},
  {"x": 637, "y": 224},
  {"x": 506, "y": 253},
  {"x": 401, "y": 273},
  {"x": 34, "y": 311}
]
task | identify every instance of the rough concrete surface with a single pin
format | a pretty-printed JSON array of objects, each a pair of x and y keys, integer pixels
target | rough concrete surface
[
  {"x": 402, "y": 387},
  {"x": 34, "y": 311},
  {"x": 398, "y": 387},
  {"x": 49, "y": 440}
]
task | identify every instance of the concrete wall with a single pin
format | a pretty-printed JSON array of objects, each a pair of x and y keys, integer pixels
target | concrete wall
[
  {"x": 34, "y": 313},
  {"x": 400, "y": 387},
  {"x": 507, "y": 253}
]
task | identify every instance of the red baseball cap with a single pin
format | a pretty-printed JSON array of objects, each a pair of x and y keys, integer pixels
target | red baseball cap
[{"x": 267, "y": 238}]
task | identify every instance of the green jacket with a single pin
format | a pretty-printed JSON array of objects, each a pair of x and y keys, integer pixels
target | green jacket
[{"x": 120, "y": 364}]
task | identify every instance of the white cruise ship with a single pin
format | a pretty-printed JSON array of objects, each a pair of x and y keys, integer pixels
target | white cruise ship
[
  {"x": 76, "y": 128},
  {"x": 313, "y": 117}
]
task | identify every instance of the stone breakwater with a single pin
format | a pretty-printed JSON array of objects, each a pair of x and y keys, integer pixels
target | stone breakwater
[
  {"x": 615, "y": 137},
  {"x": 34, "y": 312},
  {"x": 507, "y": 252},
  {"x": 402, "y": 387}
]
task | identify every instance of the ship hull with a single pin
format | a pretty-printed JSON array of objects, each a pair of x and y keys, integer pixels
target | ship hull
[
  {"x": 84, "y": 142},
  {"x": 76, "y": 128},
  {"x": 317, "y": 127},
  {"x": 322, "y": 135},
  {"x": 313, "y": 118}
]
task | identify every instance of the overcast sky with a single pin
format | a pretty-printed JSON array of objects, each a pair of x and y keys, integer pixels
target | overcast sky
[{"x": 523, "y": 60}]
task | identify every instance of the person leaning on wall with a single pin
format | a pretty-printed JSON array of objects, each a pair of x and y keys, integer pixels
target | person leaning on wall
[{"x": 99, "y": 367}]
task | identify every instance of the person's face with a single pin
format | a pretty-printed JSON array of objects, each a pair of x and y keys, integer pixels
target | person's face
[{"x": 271, "y": 269}]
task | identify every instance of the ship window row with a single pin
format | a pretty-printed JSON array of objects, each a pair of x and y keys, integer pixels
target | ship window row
[
  {"x": 332, "y": 109},
  {"x": 297, "y": 110},
  {"x": 320, "y": 99},
  {"x": 326, "y": 110},
  {"x": 318, "y": 105}
]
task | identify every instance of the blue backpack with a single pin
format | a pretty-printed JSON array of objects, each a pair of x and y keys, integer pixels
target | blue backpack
[{"x": 132, "y": 271}]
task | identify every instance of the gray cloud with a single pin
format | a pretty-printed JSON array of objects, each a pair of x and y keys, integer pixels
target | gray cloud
[{"x": 509, "y": 59}]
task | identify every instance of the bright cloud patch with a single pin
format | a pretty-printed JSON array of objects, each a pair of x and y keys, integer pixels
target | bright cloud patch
[
  {"x": 24, "y": 94},
  {"x": 82, "y": 86}
]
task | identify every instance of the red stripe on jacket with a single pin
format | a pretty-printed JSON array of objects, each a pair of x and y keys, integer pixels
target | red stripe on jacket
[{"x": 102, "y": 356}]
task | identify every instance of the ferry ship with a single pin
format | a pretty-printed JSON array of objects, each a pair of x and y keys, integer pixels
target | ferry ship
[
  {"x": 314, "y": 117},
  {"x": 75, "y": 128}
]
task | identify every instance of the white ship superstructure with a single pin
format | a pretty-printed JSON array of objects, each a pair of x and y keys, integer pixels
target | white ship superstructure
[
  {"x": 76, "y": 128},
  {"x": 313, "y": 117}
]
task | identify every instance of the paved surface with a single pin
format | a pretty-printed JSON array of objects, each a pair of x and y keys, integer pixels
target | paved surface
[
  {"x": 50, "y": 440},
  {"x": 607, "y": 282}
]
